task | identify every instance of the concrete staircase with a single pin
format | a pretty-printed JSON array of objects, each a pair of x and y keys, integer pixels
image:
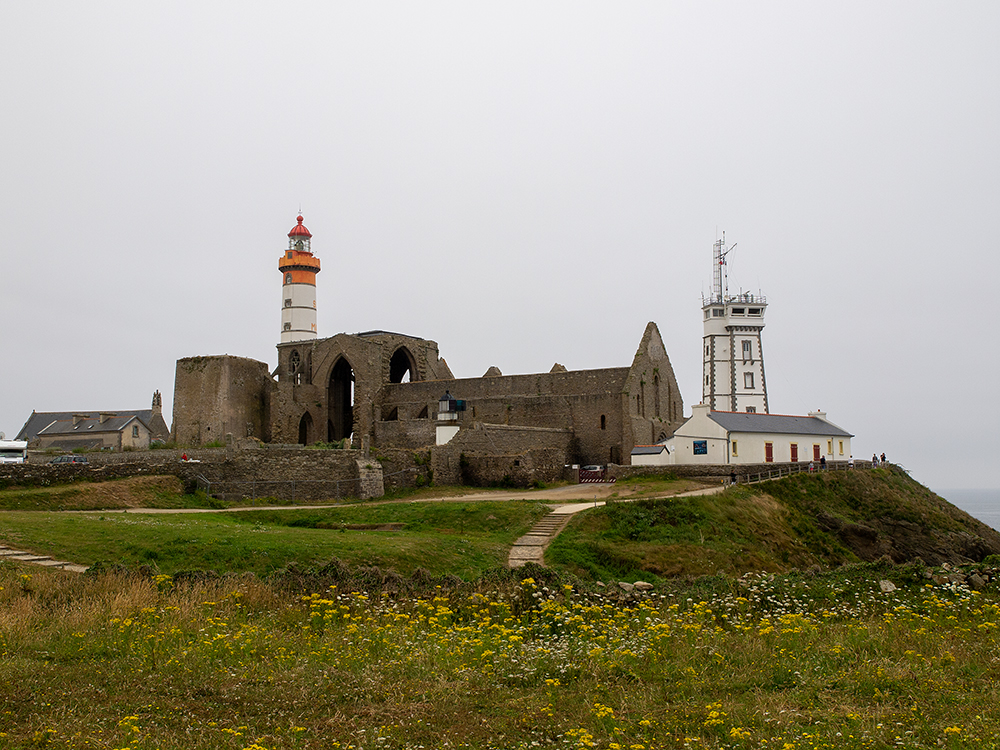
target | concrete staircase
[{"x": 6, "y": 553}]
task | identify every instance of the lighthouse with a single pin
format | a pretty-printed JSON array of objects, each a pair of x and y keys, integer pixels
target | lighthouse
[
  {"x": 298, "y": 268},
  {"x": 733, "y": 361}
]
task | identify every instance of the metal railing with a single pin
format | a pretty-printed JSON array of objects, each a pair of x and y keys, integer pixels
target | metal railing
[{"x": 785, "y": 470}]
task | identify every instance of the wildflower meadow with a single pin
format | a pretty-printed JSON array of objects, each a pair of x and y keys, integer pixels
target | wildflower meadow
[{"x": 866, "y": 657}]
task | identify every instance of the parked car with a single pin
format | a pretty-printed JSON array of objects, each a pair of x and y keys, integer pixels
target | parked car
[
  {"x": 592, "y": 467},
  {"x": 69, "y": 460}
]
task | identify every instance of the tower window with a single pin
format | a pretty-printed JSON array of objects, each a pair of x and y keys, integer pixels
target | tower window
[
  {"x": 754, "y": 311},
  {"x": 747, "y": 350},
  {"x": 751, "y": 410},
  {"x": 288, "y": 303},
  {"x": 738, "y": 311},
  {"x": 717, "y": 312},
  {"x": 286, "y": 327},
  {"x": 748, "y": 380},
  {"x": 288, "y": 278}
]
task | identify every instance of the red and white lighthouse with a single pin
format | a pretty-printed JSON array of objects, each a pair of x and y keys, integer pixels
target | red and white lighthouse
[{"x": 298, "y": 268}]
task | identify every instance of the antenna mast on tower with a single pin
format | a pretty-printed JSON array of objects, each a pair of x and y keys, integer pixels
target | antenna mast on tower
[{"x": 720, "y": 280}]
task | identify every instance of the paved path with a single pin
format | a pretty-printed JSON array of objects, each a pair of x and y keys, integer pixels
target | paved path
[{"x": 531, "y": 546}]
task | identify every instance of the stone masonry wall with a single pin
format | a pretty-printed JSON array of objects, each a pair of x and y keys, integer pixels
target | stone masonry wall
[
  {"x": 219, "y": 394},
  {"x": 291, "y": 474},
  {"x": 487, "y": 454},
  {"x": 574, "y": 400}
]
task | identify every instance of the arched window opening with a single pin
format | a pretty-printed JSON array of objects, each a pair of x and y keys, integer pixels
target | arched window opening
[
  {"x": 422, "y": 414},
  {"x": 305, "y": 429},
  {"x": 309, "y": 368},
  {"x": 390, "y": 415},
  {"x": 656, "y": 395},
  {"x": 340, "y": 401},
  {"x": 604, "y": 422},
  {"x": 402, "y": 367}
]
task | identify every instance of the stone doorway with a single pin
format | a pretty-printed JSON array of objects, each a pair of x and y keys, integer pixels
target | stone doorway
[{"x": 340, "y": 400}]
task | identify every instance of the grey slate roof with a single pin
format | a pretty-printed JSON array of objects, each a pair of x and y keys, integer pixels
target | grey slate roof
[
  {"x": 87, "y": 426},
  {"x": 648, "y": 450},
  {"x": 733, "y": 421},
  {"x": 39, "y": 420}
]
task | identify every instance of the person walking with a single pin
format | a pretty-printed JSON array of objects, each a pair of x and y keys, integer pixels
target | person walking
[
  {"x": 883, "y": 459},
  {"x": 874, "y": 461},
  {"x": 822, "y": 463}
]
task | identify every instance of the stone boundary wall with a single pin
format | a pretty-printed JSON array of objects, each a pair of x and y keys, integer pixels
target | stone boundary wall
[{"x": 292, "y": 473}]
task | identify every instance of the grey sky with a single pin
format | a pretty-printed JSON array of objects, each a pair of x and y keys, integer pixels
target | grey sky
[{"x": 525, "y": 183}]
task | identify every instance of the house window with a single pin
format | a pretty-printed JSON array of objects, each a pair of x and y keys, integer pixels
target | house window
[
  {"x": 747, "y": 351},
  {"x": 793, "y": 449},
  {"x": 748, "y": 380},
  {"x": 135, "y": 430},
  {"x": 700, "y": 447},
  {"x": 751, "y": 410},
  {"x": 829, "y": 447},
  {"x": 816, "y": 452},
  {"x": 769, "y": 452},
  {"x": 841, "y": 442},
  {"x": 735, "y": 451}
]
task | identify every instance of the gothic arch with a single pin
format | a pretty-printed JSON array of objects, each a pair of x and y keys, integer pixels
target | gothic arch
[
  {"x": 340, "y": 401},
  {"x": 401, "y": 365},
  {"x": 305, "y": 429}
]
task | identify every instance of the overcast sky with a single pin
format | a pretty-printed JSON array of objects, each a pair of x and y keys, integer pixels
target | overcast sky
[{"x": 524, "y": 183}]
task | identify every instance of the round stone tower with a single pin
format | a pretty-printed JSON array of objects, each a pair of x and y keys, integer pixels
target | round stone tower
[{"x": 298, "y": 269}]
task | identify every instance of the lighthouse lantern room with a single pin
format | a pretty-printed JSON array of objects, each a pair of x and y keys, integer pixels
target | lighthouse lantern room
[{"x": 298, "y": 268}]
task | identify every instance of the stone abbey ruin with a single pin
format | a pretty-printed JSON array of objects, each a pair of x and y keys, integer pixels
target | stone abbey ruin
[{"x": 380, "y": 391}]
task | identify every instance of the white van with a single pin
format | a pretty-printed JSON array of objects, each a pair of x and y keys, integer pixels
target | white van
[{"x": 13, "y": 451}]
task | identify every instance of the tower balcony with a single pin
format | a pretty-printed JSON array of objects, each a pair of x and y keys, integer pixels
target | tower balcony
[{"x": 298, "y": 262}]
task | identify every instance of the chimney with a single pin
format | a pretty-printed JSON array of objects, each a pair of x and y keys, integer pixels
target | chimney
[
  {"x": 818, "y": 414},
  {"x": 105, "y": 416},
  {"x": 77, "y": 418}
]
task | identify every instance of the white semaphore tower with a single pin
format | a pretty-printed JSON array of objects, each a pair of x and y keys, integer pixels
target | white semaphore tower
[
  {"x": 298, "y": 269},
  {"x": 733, "y": 361}
]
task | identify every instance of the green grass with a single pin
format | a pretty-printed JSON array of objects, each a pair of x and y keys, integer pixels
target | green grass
[
  {"x": 791, "y": 662},
  {"x": 461, "y": 539},
  {"x": 146, "y": 492}
]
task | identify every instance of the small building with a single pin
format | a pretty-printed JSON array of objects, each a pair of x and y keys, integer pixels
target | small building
[
  {"x": 110, "y": 430},
  {"x": 723, "y": 437}
]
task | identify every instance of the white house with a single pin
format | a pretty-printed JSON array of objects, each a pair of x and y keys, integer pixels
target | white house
[{"x": 725, "y": 437}]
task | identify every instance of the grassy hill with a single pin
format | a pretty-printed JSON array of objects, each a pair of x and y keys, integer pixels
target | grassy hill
[{"x": 824, "y": 519}]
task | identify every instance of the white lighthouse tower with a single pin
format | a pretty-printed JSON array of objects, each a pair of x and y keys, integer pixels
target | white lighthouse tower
[
  {"x": 298, "y": 268},
  {"x": 733, "y": 360}
]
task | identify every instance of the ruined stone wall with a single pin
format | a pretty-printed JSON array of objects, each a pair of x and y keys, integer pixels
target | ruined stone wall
[
  {"x": 307, "y": 390},
  {"x": 576, "y": 400},
  {"x": 486, "y": 455},
  {"x": 410, "y": 433},
  {"x": 403, "y": 468},
  {"x": 219, "y": 394}
]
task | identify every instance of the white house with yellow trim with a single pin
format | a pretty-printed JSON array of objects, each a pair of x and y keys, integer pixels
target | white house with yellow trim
[{"x": 725, "y": 437}]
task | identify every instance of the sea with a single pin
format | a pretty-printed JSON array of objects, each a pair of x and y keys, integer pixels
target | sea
[{"x": 982, "y": 504}]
